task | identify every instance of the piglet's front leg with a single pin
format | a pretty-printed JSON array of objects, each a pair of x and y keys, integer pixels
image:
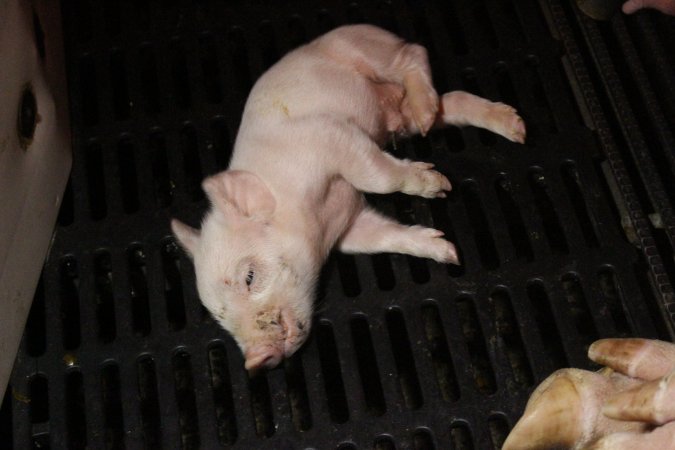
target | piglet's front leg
[
  {"x": 373, "y": 233},
  {"x": 369, "y": 169}
]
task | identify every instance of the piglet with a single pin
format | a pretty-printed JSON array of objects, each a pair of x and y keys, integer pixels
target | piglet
[
  {"x": 627, "y": 405},
  {"x": 308, "y": 147}
]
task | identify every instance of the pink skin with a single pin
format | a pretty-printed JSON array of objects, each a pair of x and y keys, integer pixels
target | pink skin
[
  {"x": 665, "y": 6},
  {"x": 652, "y": 362},
  {"x": 661, "y": 438},
  {"x": 269, "y": 354},
  {"x": 652, "y": 401},
  {"x": 629, "y": 404},
  {"x": 308, "y": 146}
]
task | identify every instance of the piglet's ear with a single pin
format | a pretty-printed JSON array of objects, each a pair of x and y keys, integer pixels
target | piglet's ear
[
  {"x": 240, "y": 193},
  {"x": 187, "y": 236}
]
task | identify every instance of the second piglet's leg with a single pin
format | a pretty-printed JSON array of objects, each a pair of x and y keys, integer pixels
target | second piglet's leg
[
  {"x": 372, "y": 232},
  {"x": 462, "y": 108}
]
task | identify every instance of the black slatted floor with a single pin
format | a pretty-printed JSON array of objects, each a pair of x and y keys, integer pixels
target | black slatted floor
[{"x": 405, "y": 353}]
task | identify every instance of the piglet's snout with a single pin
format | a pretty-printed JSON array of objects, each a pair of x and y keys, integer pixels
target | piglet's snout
[
  {"x": 280, "y": 334},
  {"x": 263, "y": 357}
]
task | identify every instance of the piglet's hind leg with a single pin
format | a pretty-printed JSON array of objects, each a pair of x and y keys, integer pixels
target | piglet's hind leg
[
  {"x": 383, "y": 57},
  {"x": 462, "y": 108}
]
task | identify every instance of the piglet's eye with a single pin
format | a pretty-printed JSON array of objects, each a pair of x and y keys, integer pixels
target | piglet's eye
[{"x": 249, "y": 277}]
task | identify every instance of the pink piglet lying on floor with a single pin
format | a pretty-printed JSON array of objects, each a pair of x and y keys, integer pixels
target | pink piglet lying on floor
[{"x": 309, "y": 145}]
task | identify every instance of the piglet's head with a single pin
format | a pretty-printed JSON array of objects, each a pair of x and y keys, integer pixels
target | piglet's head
[{"x": 255, "y": 271}]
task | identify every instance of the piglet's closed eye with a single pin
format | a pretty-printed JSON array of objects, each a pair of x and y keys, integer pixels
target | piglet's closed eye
[{"x": 240, "y": 194}]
